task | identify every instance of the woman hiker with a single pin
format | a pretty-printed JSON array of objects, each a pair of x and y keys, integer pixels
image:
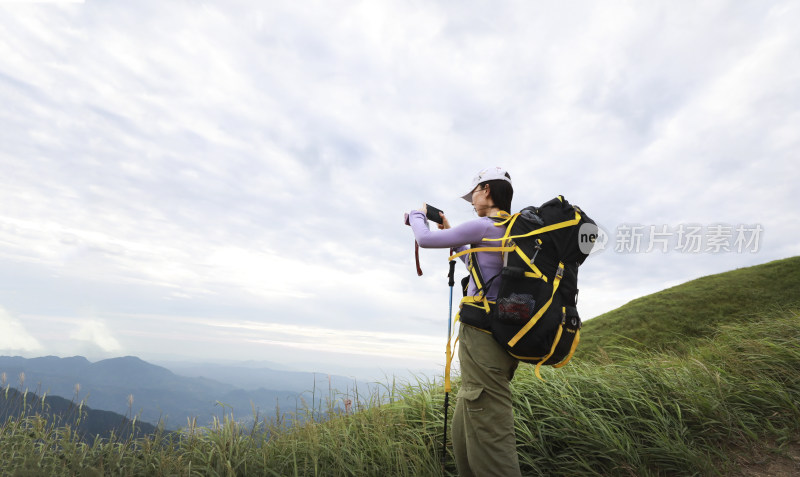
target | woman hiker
[{"x": 484, "y": 443}]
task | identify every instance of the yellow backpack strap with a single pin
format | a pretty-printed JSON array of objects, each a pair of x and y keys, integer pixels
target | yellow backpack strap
[
  {"x": 536, "y": 273},
  {"x": 449, "y": 354},
  {"x": 555, "y": 343},
  {"x": 504, "y": 218},
  {"x": 474, "y": 270},
  {"x": 481, "y": 249},
  {"x": 535, "y": 318},
  {"x": 571, "y": 350},
  {"x": 550, "y": 228},
  {"x": 478, "y": 301}
]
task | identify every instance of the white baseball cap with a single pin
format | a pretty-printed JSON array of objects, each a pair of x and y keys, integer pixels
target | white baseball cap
[{"x": 488, "y": 174}]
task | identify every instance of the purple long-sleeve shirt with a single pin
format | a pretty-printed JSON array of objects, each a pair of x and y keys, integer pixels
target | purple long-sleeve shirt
[{"x": 462, "y": 237}]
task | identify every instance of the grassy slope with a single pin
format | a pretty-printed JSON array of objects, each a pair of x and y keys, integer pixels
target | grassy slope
[
  {"x": 645, "y": 414},
  {"x": 664, "y": 320},
  {"x": 656, "y": 413}
]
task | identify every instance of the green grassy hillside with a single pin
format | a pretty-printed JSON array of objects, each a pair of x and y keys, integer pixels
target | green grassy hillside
[{"x": 672, "y": 318}]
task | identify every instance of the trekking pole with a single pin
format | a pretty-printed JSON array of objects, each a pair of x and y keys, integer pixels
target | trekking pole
[{"x": 450, "y": 282}]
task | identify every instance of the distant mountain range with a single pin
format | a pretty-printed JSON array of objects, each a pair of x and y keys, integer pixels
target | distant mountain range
[
  {"x": 249, "y": 377},
  {"x": 161, "y": 395}
]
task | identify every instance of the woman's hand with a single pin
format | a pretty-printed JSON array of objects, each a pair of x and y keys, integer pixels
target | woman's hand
[{"x": 445, "y": 224}]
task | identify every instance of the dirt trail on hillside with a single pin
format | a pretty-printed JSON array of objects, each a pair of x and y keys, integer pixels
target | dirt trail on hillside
[{"x": 771, "y": 463}]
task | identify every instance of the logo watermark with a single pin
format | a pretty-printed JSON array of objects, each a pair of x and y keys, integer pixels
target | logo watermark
[
  {"x": 592, "y": 238},
  {"x": 681, "y": 238}
]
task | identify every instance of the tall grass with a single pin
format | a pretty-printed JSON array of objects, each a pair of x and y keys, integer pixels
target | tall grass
[
  {"x": 659, "y": 414},
  {"x": 642, "y": 414}
]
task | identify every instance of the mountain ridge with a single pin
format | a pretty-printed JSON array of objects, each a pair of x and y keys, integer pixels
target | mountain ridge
[
  {"x": 159, "y": 394},
  {"x": 88, "y": 423}
]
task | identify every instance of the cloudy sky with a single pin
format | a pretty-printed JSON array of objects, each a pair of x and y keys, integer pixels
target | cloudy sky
[{"x": 227, "y": 180}]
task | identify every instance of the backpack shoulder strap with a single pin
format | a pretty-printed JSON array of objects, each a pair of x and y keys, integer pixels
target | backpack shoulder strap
[{"x": 475, "y": 271}]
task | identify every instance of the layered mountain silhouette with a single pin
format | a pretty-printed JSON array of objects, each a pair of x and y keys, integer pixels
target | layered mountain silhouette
[
  {"x": 159, "y": 395},
  {"x": 88, "y": 423}
]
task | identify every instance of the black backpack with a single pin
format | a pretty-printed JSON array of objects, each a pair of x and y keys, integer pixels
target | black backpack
[{"x": 535, "y": 316}]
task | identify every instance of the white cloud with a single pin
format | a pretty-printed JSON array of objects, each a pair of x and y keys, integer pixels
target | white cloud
[
  {"x": 355, "y": 342},
  {"x": 249, "y": 159},
  {"x": 14, "y": 337},
  {"x": 97, "y": 333}
]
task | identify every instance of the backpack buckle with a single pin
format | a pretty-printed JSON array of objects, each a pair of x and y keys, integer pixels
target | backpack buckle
[{"x": 537, "y": 247}]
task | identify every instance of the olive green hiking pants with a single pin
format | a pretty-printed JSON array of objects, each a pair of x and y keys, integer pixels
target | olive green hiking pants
[{"x": 484, "y": 443}]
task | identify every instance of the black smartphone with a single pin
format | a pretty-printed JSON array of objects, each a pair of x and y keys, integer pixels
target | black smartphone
[{"x": 433, "y": 214}]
